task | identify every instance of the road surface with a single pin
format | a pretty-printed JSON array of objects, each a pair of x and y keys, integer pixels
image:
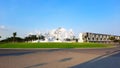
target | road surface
[
  {"x": 59, "y": 58},
  {"x": 112, "y": 61}
]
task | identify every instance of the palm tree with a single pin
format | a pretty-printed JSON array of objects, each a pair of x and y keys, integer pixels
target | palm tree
[{"x": 14, "y": 35}]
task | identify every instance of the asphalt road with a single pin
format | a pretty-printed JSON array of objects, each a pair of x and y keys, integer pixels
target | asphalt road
[
  {"x": 112, "y": 61},
  {"x": 9, "y": 52},
  {"x": 60, "y": 58}
]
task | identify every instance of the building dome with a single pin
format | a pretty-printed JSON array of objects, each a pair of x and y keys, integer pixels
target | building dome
[{"x": 60, "y": 33}]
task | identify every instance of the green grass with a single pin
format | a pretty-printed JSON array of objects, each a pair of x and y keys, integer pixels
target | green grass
[{"x": 54, "y": 45}]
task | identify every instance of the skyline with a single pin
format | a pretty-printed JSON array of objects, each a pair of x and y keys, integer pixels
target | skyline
[{"x": 25, "y": 16}]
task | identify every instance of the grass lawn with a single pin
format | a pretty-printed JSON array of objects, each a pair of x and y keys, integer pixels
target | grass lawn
[{"x": 54, "y": 45}]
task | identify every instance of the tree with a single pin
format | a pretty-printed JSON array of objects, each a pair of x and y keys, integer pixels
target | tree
[
  {"x": 10, "y": 39},
  {"x": 30, "y": 38},
  {"x": 42, "y": 37},
  {"x": 74, "y": 38},
  {"x": 26, "y": 39},
  {"x": 0, "y": 36},
  {"x": 68, "y": 39},
  {"x": 34, "y": 37},
  {"x": 14, "y": 35},
  {"x": 57, "y": 39},
  {"x": 112, "y": 38}
]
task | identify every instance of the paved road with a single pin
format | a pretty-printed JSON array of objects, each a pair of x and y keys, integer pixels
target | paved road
[
  {"x": 55, "y": 58},
  {"x": 112, "y": 61}
]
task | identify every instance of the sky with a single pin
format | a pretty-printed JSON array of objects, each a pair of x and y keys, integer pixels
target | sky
[{"x": 25, "y": 16}]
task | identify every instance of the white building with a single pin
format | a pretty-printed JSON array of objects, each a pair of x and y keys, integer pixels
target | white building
[
  {"x": 95, "y": 37},
  {"x": 59, "y": 34}
]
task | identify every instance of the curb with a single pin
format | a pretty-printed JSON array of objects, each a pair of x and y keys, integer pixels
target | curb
[{"x": 57, "y": 48}]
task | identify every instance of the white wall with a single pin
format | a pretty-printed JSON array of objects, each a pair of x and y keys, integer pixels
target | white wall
[{"x": 80, "y": 38}]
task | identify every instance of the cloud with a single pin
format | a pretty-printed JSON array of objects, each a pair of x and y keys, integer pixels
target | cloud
[{"x": 2, "y": 27}]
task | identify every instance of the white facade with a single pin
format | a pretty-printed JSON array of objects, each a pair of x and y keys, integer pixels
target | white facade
[
  {"x": 95, "y": 37},
  {"x": 80, "y": 38},
  {"x": 59, "y": 34}
]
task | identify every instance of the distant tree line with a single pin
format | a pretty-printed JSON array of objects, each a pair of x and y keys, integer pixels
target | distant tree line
[
  {"x": 34, "y": 37},
  {"x": 19, "y": 39},
  {"x": 10, "y": 39}
]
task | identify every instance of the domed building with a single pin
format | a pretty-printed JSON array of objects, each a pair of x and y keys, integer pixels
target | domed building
[{"x": 59, "y": 34}]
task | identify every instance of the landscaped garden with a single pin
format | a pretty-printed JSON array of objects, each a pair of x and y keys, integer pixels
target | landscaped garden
[{"x": 54, "y": 45}]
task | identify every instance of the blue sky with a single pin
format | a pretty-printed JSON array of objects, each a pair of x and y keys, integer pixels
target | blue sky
[{"x": 24, "y": 16}]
